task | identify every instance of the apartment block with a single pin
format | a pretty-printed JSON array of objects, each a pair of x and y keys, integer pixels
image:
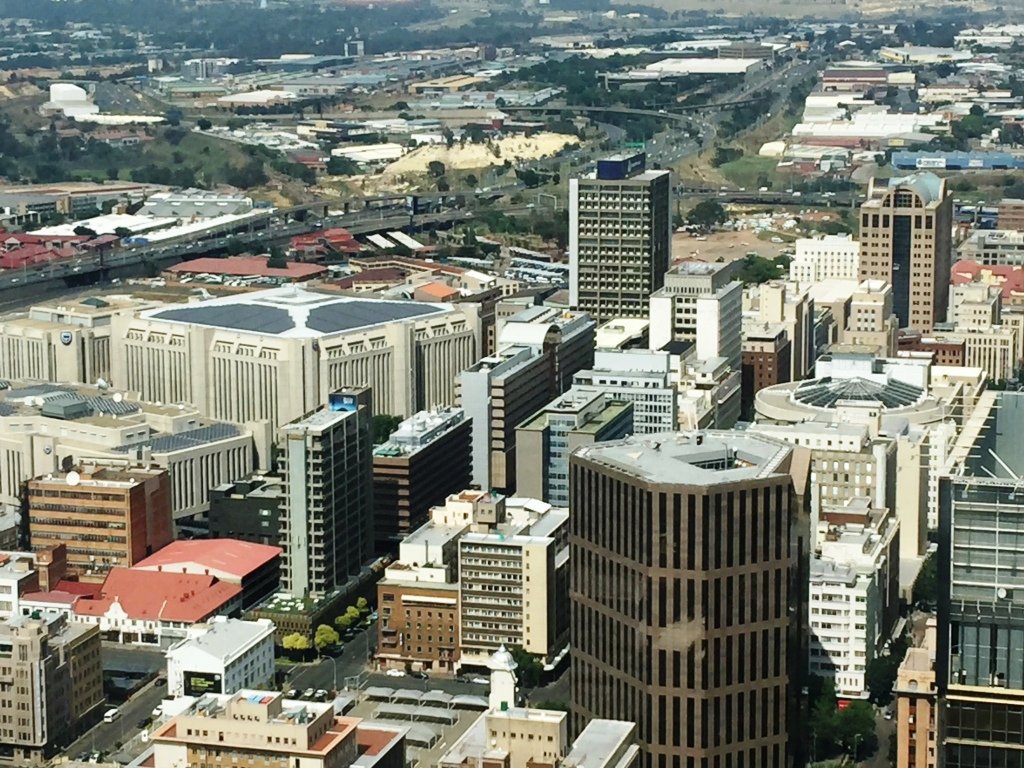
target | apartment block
[
  {"x": 767, "y": 359},
  {"x": 485, "y": 571},
  {"x": 262, "y": 728},
  {"x": 565, "y": 339},
  {"x": 673, "y": 307},
  {"x": 831, "y": 257},
  {"x": 995, "y": 247},
  {"x": 61, "y": 660},
  {"x": 106, "y": 516},
  {"x": 418, "y": 598},
  {"x": 514, "y": 584},
  {"x": 872, "y": 326},
  {"x": 545, "y": 441},
  {"x": 497, "y": 393},
  {"x": 854, "y": 592},
  {"x": 327, "y": 528},
  {"x": 428, "y": 457},
  {"x": 906, "y": 241},
  {"x": 686, "y": 613},
  {"x": 620, "y": 225},
  {"x": 778, "y": 303},
  {"x": 645, "y": 379}
]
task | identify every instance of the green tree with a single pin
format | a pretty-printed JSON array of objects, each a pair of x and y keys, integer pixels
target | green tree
[
  {"x": 122, "y": 232},
  {"x": 277, "y": 260},
  {"x": 822, "y": 700},
  {"x": 383, "y": 425},
  {"x": 342, "y": 166},
  {"x": 363, "y": 605},
  {"x": 926, "y": 585},
  {"x": 343, "y": 622},
  {"x": 84, "y": 231},
  {"x": 553, "y": 706},
  {"x": 528, "y": 669},
  {"x": 1012, "y": 134},
  {"x": 203, "y": 124},
  {"x": 436, "y": 168},
  {"x": 325, "y": 636},
  {"x": 296, "y": 641},
  {"x": 855, "y": 729},
  {"x": 880, "y": 674},
  {"x": 707, "y": 214}
]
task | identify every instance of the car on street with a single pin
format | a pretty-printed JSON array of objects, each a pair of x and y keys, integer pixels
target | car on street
[
  {"x": 291, "y": 693},
  {"x": 308, "y": 693},
  {"x": 480, "y": 680},
  {"x": 395, "y": 673},
  {"x": 421, "y": 675},
  {"x": 320, "y": 694}
]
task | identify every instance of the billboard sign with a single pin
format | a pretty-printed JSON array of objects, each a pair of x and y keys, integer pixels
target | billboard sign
[
  {"x": 200, "y": 683},
  {"x": 339, "y": 401},
  {"x": 931, "y": 162}
]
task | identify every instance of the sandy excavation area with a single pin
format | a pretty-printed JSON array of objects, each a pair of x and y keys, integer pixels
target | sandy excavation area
[{"x": 470, "y": 156}]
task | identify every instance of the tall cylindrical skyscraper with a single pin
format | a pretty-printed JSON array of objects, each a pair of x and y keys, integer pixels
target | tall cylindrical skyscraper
[{"x": 687, "y": 560}]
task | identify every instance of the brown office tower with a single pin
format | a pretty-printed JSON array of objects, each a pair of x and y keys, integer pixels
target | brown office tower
[
  {"x": 687, "y": 556},
  {"x": 906, "y": 228},
  {"x": 106, "y": 516}
]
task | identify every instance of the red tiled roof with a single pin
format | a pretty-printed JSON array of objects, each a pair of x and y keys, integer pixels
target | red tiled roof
[
  {"x": 160, "y": 596},
  {"x": 241, "y": 266},
  {"x": 438, "y": 290},
  {"x": 224, "y": 556},
  {"x": 53, "y": 596},
  {"x": 79, "y": 587},
  {"x": 1008, "y": 278}
]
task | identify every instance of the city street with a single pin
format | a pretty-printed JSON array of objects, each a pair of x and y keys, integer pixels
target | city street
[{"x": 108, "y": 737}]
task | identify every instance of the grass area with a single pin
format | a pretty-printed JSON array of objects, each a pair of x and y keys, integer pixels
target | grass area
[{"x": 745, "y": 171}]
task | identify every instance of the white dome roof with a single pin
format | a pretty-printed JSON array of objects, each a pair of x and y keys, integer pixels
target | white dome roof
[{"x": 501, "y": 660}]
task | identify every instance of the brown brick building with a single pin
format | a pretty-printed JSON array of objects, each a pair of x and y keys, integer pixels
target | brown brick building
[
  {"x": 687, "y": 558},
  {"x": 766, "y": 355},
  {"x": 419, "y": 624},
  {"x": 106, "y": 516},
  {"x": 424, "y": 460}
]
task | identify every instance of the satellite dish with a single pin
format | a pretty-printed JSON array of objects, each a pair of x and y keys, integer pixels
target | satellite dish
[
  {"x": 73, "y": 478},
  {"x": 118, "y": 397},
  {"x": 102, "y": 384},
  {"x": 1001, "y": 593}
]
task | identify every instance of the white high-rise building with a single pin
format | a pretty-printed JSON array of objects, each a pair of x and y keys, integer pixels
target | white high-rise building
[
  {"x": 327, "y": 526},
  {"x": 825, "y": 258}
]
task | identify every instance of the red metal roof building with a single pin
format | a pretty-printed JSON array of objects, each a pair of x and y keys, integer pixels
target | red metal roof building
[
  {"x": 319, "y": 245},
  {"x": 1008, "y": 278},
  {"x": 256, "y": 568},
  {"x": 139, "y": 606},
  {"x": 247, "y": 266}
]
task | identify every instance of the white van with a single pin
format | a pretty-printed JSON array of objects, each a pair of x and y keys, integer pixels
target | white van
[{"x": 111, "y": 715}]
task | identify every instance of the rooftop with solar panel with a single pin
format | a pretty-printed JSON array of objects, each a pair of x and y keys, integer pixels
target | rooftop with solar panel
[
  {"x": 160, "y": 427},
  {"x": 294, "y": 312}
]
